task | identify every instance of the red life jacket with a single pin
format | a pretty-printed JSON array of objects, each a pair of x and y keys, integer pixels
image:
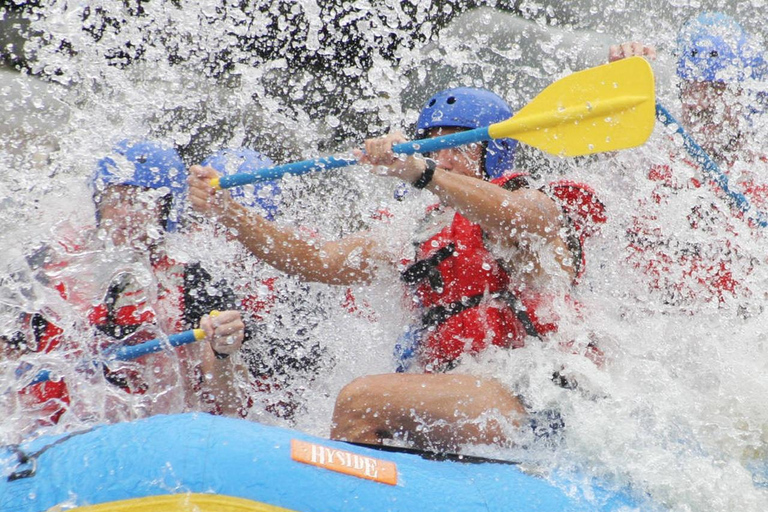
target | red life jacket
[
  {"x": 705, "y": 261},
  {"x": 118, "y": 316},
  {"x": 125, "y": 312},
  {"x": 470, "y": 301},
  {"x": 182, "y": 297},
  {"x": 50, "y": 399}
]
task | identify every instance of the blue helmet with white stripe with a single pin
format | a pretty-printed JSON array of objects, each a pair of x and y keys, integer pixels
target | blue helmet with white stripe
[
  {"x": 263, "y": 194},
  {"x": 469, "y": 107}
]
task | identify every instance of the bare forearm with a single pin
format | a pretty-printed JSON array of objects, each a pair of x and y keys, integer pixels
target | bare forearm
[
  {"x": 282, "y": 248},
  {"x": 222, "y": 381},
  {"x": 496, "y": 210}
]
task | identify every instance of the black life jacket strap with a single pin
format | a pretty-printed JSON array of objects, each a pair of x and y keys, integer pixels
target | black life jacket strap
[
  {"x": 111, "y": 327},
  {"x": 516, "y": 305},
  {"x": 427, "y": 268},
  {"x": 437, "y": 315}
]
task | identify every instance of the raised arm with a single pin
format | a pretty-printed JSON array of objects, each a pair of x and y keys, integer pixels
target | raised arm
[
  {"x": 346, "y": 261},
  {"x": 502, "y": 214},
  {"x": 505, "y": 216}
]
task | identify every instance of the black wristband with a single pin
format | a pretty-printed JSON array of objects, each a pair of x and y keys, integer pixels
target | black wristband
[
  {"x": 426, "y": 176},
  {"x": 220, "y": 355}
]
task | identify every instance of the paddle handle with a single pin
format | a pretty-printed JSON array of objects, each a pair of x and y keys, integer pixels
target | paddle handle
[
  {"x": 318, "y": 164},
  {"x": 130, "y": 352},
  {"x": 709, "y": 166}
]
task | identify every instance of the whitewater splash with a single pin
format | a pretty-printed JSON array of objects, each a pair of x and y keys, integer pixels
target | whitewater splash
[{"x": 676, "y": 413}]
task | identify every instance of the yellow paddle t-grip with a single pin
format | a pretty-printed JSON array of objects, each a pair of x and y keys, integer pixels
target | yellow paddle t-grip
[
  {"x": 199, "y": 334},
  {"x": 215, "y": 183}
]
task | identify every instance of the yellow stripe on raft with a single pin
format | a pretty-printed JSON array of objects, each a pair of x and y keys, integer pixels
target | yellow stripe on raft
[{"x": 179, "y": 503}]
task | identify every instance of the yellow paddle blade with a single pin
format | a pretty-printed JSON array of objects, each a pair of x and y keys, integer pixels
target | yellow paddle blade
[{"x": 606, "y": 108}]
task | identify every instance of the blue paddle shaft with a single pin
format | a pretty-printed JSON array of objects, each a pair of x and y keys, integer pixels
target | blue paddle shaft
[
  {"x": 296, "y": 168},
  {"x": 443, "y": 142},
  {"x": 130, "y": 352},
  {"x": 318, "y": 164},
  {"x": 710, "y": 167}
]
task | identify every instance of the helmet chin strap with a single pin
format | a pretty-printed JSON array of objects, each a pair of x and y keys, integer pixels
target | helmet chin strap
[
  {"x": 166, "y": 207},
  {"x": 483, "y": 155},
  {"x": 483, "y": 158}
]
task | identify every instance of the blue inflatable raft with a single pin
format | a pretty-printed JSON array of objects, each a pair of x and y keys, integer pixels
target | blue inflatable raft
[{"x": 203, "y": 463}]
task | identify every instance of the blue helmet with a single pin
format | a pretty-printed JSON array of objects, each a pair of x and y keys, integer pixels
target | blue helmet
[
  {"x": 263, "y": 194},
  {"x": 468, "y": 107},
  {"x": 148, "y": 165},
  {"x": 715, "y": 48}
]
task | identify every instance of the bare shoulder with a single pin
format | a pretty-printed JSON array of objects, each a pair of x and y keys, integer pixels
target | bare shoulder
[{"x": 537, "y": 208}]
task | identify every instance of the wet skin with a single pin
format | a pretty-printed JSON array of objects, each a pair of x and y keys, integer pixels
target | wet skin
[
  {"x": 464, "y": 160},
  {"x": 132, "y": 216}
]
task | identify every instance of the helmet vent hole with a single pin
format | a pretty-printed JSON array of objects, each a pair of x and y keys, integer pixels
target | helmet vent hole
[
  {"x": 142, "y": 159},
  {"x": 713, "y": 53},
  {"x": 451, "y": 100},
  {"x": 432, "y": 102}
]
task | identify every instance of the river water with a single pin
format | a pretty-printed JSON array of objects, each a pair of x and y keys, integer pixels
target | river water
[{"x": 678, "y": 411}]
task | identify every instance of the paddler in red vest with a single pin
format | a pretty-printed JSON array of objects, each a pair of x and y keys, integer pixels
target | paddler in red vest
[
  {"x": 121, "y": 286},
  {"x": 698, "y": 254},
  {"x": 484, "y": 260}
]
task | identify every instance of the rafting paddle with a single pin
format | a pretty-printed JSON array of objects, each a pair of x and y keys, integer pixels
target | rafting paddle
[
  {"x": 605, "y": 108},
  {"x": 130, "y": 352},
  {"x": 710, "y": 168}
]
